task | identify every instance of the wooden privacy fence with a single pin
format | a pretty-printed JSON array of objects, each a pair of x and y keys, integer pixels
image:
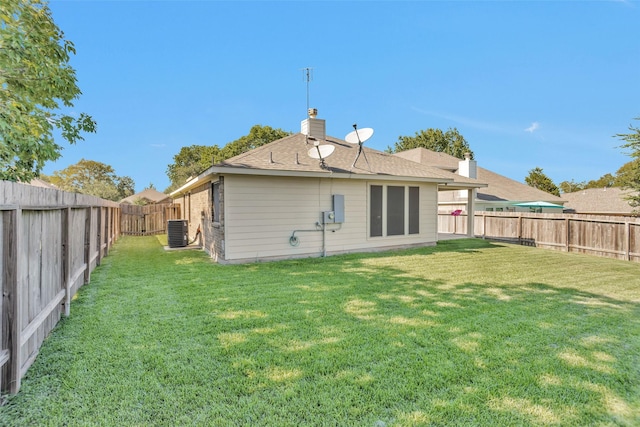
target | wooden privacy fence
[
  {"x": 606, "y": 236},
  {"x": 51, "y": 242},
  {"x": 147, "y": 220}
]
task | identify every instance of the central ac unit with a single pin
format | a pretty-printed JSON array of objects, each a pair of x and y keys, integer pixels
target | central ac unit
[{"x": 177, "y": 233}]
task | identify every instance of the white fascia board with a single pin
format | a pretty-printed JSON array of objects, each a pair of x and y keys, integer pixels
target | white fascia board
[
  {"x": 452, "y": 186},
  {"x": 327, "y": 174},
  {"x": 193, "y": 182}
]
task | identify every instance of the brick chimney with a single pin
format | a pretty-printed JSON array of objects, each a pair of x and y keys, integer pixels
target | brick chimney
[{"x": 313, "y": 127}]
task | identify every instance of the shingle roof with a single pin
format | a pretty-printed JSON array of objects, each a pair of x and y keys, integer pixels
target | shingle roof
[
  {"x": 291, "y": 154},
  {"x": 149, "y": 194},
  {"x": 598, "y": 200},
  {"x": 37, "y": 182},
  {"x": 500, "y": 188}
]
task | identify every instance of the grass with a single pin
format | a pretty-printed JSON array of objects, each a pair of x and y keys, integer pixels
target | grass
[{"x": 465, "y": 333}]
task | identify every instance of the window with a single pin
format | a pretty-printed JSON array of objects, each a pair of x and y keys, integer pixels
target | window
[
  {"x": 215, "y": 205},
  {"x": 376, "y": 211},
  {"x": 414, "y": 210},
  {"x": 394, "y": 210}
]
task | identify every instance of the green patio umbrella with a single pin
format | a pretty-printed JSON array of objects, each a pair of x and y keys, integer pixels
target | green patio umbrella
[{"x": 538, "y": 204}]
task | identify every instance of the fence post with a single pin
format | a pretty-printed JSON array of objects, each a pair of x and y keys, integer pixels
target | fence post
[
  {"x": 12, "y": 296},
  {"x": 87, "y": 244},
  {"x": 627, "y": 240},
  {"x": 107, "y": 230},
  {"x": 66, "y": 259},
  {"x": 99, "y": 236},
  {"x": 567, "y": 223}
]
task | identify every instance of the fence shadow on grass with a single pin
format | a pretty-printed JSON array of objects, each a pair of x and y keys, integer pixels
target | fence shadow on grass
[
  {"x": 386, "y": 346},
  {"x": 532, "y": 352}
]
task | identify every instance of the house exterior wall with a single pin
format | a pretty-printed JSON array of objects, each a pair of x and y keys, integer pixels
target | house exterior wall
[
  {"x": 261, "y": 214},
  {"x": 193, "y": 207}
]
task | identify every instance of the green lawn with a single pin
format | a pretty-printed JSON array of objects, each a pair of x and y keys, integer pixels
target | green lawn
[{"x": 465, "y": 333}]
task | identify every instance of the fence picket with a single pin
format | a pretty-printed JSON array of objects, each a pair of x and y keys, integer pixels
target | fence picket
[
  {"x": 608, "y": 236},
  {"x": 46, "y": 257},
  {"x": 147, "y": 220}
]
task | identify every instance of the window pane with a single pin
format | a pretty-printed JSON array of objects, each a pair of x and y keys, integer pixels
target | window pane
[
  {"x": 414, "y": 210},
  {"x": 375, "y": 211},
  {"x": 375, "y": 220},
  {"x": 395, "y": 211}
]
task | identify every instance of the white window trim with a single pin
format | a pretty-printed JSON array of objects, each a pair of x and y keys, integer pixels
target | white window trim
[{"x": 384, "y": 210}]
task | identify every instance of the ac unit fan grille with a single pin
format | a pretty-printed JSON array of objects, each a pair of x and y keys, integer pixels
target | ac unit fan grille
[{"x": 177, "y": 233}]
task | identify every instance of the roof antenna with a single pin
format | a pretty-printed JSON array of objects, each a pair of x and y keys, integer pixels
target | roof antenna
[
  {"x": 307, "y": 74},
  {"x": 356, "y": 138}
]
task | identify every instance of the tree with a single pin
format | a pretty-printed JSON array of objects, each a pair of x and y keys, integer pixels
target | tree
[
  {"x": 605, "y": 181},
  {"x": 94, "y": 178},
  {"x": 571, "y": 186},
  {"x": 624, "y": 175},
  {"x": 35, "y": 81},
  {"x": 258, "y": 136},
  {"x": 195, "y": 159},
  {"x": 450, "y": 142},
  {"x": 632, "y": 176},
  {"x": 628, "y": 173},
  {"x": 537, "y": 179},
  {"x": 190, "y": 161}
]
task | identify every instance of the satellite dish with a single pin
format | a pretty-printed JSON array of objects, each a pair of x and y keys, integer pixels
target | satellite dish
[
  {"x": 359, "y": 136},
  {"x": 321, "y": 152}
]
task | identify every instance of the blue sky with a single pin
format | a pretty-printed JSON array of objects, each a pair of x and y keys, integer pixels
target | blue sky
[{"x": 527, "y": 83}]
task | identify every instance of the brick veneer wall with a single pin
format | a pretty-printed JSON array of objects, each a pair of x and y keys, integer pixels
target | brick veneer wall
[
  {"x": 217, "y": 229},
  {"x": 196, "y": 207}
]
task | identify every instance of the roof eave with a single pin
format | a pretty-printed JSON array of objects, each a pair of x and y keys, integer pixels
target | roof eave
[
  {"x": 443, "y": 183},
  {"x": 193, "y": 182},
  {"x": 322, "y": 174},
  {"x": 452, "y": 186}
]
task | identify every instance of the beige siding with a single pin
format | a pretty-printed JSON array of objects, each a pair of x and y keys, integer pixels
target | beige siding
[{"x": 262, "y": 213}]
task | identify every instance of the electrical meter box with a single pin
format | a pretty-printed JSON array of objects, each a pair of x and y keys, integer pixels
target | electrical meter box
[
  {"x": 338, "y": 208},
  {"x": 336, "y": 216},
  {"x": 328, "y": 217}
]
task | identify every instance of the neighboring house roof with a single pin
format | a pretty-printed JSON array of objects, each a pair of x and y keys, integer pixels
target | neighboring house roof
[
  {"x": 289, "y": 156},
  {"x": 598, "y": 200},
  {"x": 37, "y": 182},
  {"x": 149, "y": 195},
  {"x": 499, "y": 188}
]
